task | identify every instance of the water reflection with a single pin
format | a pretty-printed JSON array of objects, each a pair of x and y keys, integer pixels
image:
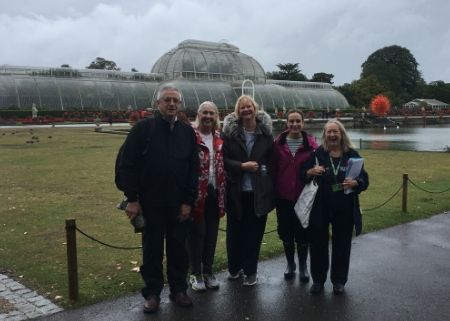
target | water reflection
[{"x": 432, "y": 138}]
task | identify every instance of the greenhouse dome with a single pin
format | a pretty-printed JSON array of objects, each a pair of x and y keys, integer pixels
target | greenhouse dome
[{"x": 202, "y": 70}]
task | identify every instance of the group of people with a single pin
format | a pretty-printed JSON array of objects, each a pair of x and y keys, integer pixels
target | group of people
[{"x": 184, "y": 178}]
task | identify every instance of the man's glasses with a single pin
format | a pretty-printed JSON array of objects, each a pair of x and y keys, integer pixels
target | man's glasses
[{"x": 171, "y": 99}]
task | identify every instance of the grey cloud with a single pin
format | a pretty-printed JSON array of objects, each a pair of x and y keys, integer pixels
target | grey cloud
[{"x": 323, "y": 36}]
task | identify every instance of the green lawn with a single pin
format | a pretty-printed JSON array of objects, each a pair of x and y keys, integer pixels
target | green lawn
[{"x": 69, "y": 173}]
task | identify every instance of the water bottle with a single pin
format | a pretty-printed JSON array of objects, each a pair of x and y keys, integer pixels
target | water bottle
[{"x": 263, "y": 170}]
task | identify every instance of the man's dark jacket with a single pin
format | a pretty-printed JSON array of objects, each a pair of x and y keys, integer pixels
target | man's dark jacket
[{"x": 159, "y": 165}]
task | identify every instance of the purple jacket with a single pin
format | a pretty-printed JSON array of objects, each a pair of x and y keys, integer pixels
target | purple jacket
[{"x": 286, "y": 167}]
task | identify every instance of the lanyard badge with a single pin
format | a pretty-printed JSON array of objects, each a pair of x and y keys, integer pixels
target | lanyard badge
[{"x": 336, "y": 187}]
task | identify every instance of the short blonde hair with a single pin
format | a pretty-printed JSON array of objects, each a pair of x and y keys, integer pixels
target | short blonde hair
[
  {"x": 216, "y": 110},
  {"x": 346, "y": 143},
  {"x": 243, "y": 99}
]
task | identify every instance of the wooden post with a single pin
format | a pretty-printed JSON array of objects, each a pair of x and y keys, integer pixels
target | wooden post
[
  {"x": 405, "y": 194},
  {"x": 360, "y": 143},
  {"x": 72, "y": 265}
]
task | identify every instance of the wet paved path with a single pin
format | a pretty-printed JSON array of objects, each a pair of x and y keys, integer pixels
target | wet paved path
[
  {"x": 400, "y": 273},
  {"x": 20, "y": 303}
]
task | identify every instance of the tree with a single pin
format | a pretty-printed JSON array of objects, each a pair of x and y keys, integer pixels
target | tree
[
  {"x": 436, "y": 90},
  {"x": 102, "y": 63},
  {"x": 322, "y": 77},
  {"x": 65, "y": 66},
  {"x": 395, "y": 68},
  {"x": 360, "y": 92},
  {"x": 288, "y": 71},
  {"x": 134, "y": 70}
]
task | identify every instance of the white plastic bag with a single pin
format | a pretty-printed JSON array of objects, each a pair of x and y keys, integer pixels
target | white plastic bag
[{"x": 305, "y": 202}]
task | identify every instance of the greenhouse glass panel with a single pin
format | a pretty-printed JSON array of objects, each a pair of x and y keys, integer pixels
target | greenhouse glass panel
[
  {"x": 124, "y": 93},
  {"x": 275, "y": 92},
  {"x": 28, "y": 93},
  {"x": 188, "y": 63},
  {"x": 238, "y": 68},
  {"x": 143, "y": 94},
  {"x": 316, "y": 99},
  {"x": 307, "y": 99},
  {"x": 299, "y": 99},
  {"x": 89, "y": 95},
  {"x": 266, "y": 98},
  {"x": 190, "y": 100},
  {"x": 247, "y": 67},
  {"x": 8, "y": 97},
  {"x": 203, "y": 93},
  {"x": 161, "y": 64},
  {"x": 200, "y": 63},
  {"x": 225, "y": 65},
  {"x": 213, "y": 64},
  {"x": 69, "y": 94},
  {"x": 222, "y": 94},
  {"x": 289, "y": 98},
  {"x": 49, "y": 94},
  {"x": 173, "y": 63},
  {"x": 108, "y": 98}
]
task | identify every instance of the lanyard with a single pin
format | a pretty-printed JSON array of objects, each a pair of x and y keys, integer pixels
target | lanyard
[{"x": 335, "y": 169}]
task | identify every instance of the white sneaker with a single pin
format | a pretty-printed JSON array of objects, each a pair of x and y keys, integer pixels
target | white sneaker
[
  {"x": 211, "y": 281},
  {"x": 235, "y": 276},
  {"x": 197, "y": 283},
  {"x": 249, "y": 280}
]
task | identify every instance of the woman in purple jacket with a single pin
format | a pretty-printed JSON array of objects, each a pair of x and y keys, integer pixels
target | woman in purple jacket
[{"x": 291, "y": 149}]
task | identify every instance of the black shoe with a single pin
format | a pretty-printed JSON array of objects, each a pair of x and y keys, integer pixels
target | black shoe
[
  {"x": 316, "y": 288},
  {"x": 290, "y": 271},
  {"x": 181, "y": 299},
  {"x": 304, "y": 275},
  {"x": 151, "y": 304},
  {"x": 302, "y": 250},
  {"x": 338, "y": 288}
]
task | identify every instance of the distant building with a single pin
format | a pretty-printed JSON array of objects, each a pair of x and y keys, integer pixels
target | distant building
[
  {"x": 202, "y": 70},
  {"x": 428, "y": 104}
]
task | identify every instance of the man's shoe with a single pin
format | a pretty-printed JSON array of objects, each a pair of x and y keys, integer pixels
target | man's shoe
[
  {"x": 304, "y": 275},
  {"x": 181, "y": 299},
  {"x": 151, "y": 304},
  {"x": 338, "y": 288},
  {"x": 290, "y": 271},
  {"x": 197, "y": 283},
  {"x": 316, "y": 288},
  {"x": 211, "y": 281},
  {"x": 236, "y": 275},
  {"x": 249, "y": 280}
]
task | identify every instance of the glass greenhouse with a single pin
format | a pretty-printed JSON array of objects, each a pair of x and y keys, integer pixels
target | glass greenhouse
[{"x": 202, "y": 70}]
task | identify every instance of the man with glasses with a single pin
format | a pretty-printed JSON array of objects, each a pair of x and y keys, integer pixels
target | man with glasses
[{"x": 159, "y": 169}]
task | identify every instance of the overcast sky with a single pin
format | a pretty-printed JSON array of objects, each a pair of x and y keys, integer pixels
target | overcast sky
[{"x": 332, "y": 36}]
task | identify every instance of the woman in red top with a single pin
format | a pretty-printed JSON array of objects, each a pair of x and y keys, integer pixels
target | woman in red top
[
  {"x": 291, "y": 149},
  {"x": 210, "y": 203}
]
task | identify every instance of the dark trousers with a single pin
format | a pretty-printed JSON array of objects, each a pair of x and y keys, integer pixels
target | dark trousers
[
  {"x": 289, "y": 228},
  {"x": 341, "y": 221},
  {"x": 162, "y": 223},
  {"x": 244, "y": 237},
  {"x": 202, "y": 238}
]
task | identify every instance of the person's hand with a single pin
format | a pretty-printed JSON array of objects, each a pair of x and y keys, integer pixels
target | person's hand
[
  {"x": 316, "y": 171},
  {"x": 250, "y": 166},
  {"x": 133, "y": 209},
  {"x": 349, "y": 183},
  {"x": 185, "y": 212}
]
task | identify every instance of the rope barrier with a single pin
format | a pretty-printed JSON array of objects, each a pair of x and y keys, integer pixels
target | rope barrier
[
  {"x": 274, "y": 230},
  {"x": 423, "y": 189},
  {"x": 384, "y": 203},
  {"x": 108, "y": 245}
]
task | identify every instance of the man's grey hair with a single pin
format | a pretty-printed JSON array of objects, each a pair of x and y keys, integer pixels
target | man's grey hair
[{"x": 167, "y": 87}]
